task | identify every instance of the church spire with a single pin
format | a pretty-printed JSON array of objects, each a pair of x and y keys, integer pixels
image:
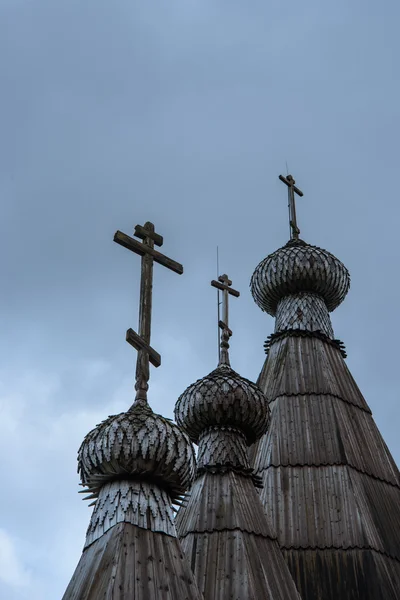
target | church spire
[
  {"x": 224, "y": 529},
  {"x": 135, "y": 465},
  {"x": 330, "y": 483}
]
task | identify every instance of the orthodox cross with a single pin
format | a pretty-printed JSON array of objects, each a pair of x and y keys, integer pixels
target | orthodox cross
[
  {"x": 141, "y": 341},
  {"x": 292, "y": 190},
  {"x": 224, "y": 284}
]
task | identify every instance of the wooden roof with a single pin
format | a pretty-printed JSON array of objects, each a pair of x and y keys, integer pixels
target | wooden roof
[
  {"x": 132, "y": 563},
  {"x": 330, "y": 504},
  {"x": 330, "y": 484},
  {"x": 223, "y": 529},
  {"x": 229, "y": 543}
]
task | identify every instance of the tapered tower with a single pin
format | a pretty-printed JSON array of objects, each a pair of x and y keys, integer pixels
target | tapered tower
[
  {"x": 331, "y": 486},
  {"x": 224, "y": 530},
  {"x": 136, "y": 465}
]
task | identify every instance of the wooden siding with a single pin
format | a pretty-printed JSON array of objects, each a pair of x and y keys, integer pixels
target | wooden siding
[
  {"x": 331, "y": 487},
  {"x": 131, "y": 563},
  {"x": 229, "y": 543},
  {"x": 351, "y": 575}
]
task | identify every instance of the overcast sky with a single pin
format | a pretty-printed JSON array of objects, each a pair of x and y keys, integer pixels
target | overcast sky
[{"x": 184, "y": 113}]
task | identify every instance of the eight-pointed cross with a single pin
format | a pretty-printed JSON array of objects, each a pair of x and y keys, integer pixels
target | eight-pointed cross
[
  {"x": 292, "y": 189},
  {"x": 224, "y": 284},
  {"x": 142, "y": 341}
]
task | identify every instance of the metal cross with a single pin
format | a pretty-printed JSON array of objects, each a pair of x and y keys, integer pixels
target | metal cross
[
  {"x": 141, "y": 342},
  {"x": 292, "y": 190},
  {"x": 224, "y": 284}
]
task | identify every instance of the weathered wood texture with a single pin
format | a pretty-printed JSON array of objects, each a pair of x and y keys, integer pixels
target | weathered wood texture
[
  {"x": 222, "y": 399},
  {"x": 223, "y": 446},
  {"x": 224, "y": 287},
  {"x": 292, "y": 190},
  {"x": 139, "y": 344},
  {"x": 304, "y": 311},
  {"x": 131, "y": 563},
  {"x": 137, "y": 444},
  {"x": 308, "y": 365},
  {"x": 223, "y": 528},
  {"x": 141, "y": 341},
  {"x": 145, "y": 314},
  {"x": 226, "y": 537},
  {"x": 299, "y": 267},
  {"x": 331, "y": 486},
  {"x": 128, "y": 501},
  {"x": 224, "y": 284},
  {"x": 135, "y": 464},
  {"x": 131, "y": 244},
  {"x": 143, "y": 233},
  {"x": 353, "y": 575}
]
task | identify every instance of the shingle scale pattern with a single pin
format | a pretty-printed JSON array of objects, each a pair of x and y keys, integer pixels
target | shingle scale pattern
[
  {"x": 223, "y": 399},
  {"x": 137, "y": 443},
  {"x": 304, "y": 311},
  {"x": 137, "y": 502},
  {"x": 299, "y": 267}
]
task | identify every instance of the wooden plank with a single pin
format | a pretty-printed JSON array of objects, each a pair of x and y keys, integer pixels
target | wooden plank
[
  {"x": 137, "y": 342},
  {"x": 223, "y": 287},
  {"x": 142, "y": 233},
  {"x": 127, "y": 242},
  {"x": 289, "y": 184},
  {"x": 225, "y": 279},
  {"x": 223, "y": 325}
]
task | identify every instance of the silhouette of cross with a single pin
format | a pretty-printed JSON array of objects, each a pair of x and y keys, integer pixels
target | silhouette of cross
[
  {"x": 292, "y": 190},
  {"x": 141, "y": 341}
]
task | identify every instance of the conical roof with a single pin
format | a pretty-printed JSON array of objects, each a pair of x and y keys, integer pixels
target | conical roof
[
  {"x": 135, "y": 464},
  {"x": 223, "y": 529},
  {"x": 330, "y": 483}
]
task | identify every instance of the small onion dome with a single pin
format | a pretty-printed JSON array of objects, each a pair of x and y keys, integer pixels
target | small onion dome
[
  {"x": 137, "y": 444},
  {"x": 223, "y": 399},
  {"x": 299, "y": 267}
]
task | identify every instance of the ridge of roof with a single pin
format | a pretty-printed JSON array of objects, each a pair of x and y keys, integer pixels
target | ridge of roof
[
  {"x": 323, "y": 370},
  {"x": 320, "y": 335},
  {"x": 325, "y": 464}
]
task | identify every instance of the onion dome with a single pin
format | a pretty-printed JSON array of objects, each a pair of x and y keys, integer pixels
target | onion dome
[
  {"x": 299, "y": 267},
  {"x": 223, "y": 399},
  {"x": 138, "y": 443}
]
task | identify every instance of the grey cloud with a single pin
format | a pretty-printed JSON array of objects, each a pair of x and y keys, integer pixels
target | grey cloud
[{"x": 182, "y": 113}]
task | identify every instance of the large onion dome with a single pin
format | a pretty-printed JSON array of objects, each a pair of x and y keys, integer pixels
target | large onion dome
[
  {"x": 138, "y": 443},
  {"x": 299, "y": 267},
  {"x": 223, "y": 399}
]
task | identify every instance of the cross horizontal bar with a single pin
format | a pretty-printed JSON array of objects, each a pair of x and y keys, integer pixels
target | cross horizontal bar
[
  {"x": 223, "y": 325},
  {"x": 137, "y": 342},
  {"x": 127, "y": 242},
  {"x": 223, "y": 287},
  {"x": 142, "y": 233},
  {"x": 291, "y": 184},
  {"x": 225, "y": 279}
]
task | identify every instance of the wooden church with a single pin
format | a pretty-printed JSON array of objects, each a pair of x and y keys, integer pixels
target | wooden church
[{"x": 293, "y": 493}]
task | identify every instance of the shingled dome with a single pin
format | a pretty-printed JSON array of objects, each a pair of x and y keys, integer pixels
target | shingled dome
[
  {"x": 299, "y": 267},
  {"x": 223, "y": 399},
  {"x": 138, "y": 443}
]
